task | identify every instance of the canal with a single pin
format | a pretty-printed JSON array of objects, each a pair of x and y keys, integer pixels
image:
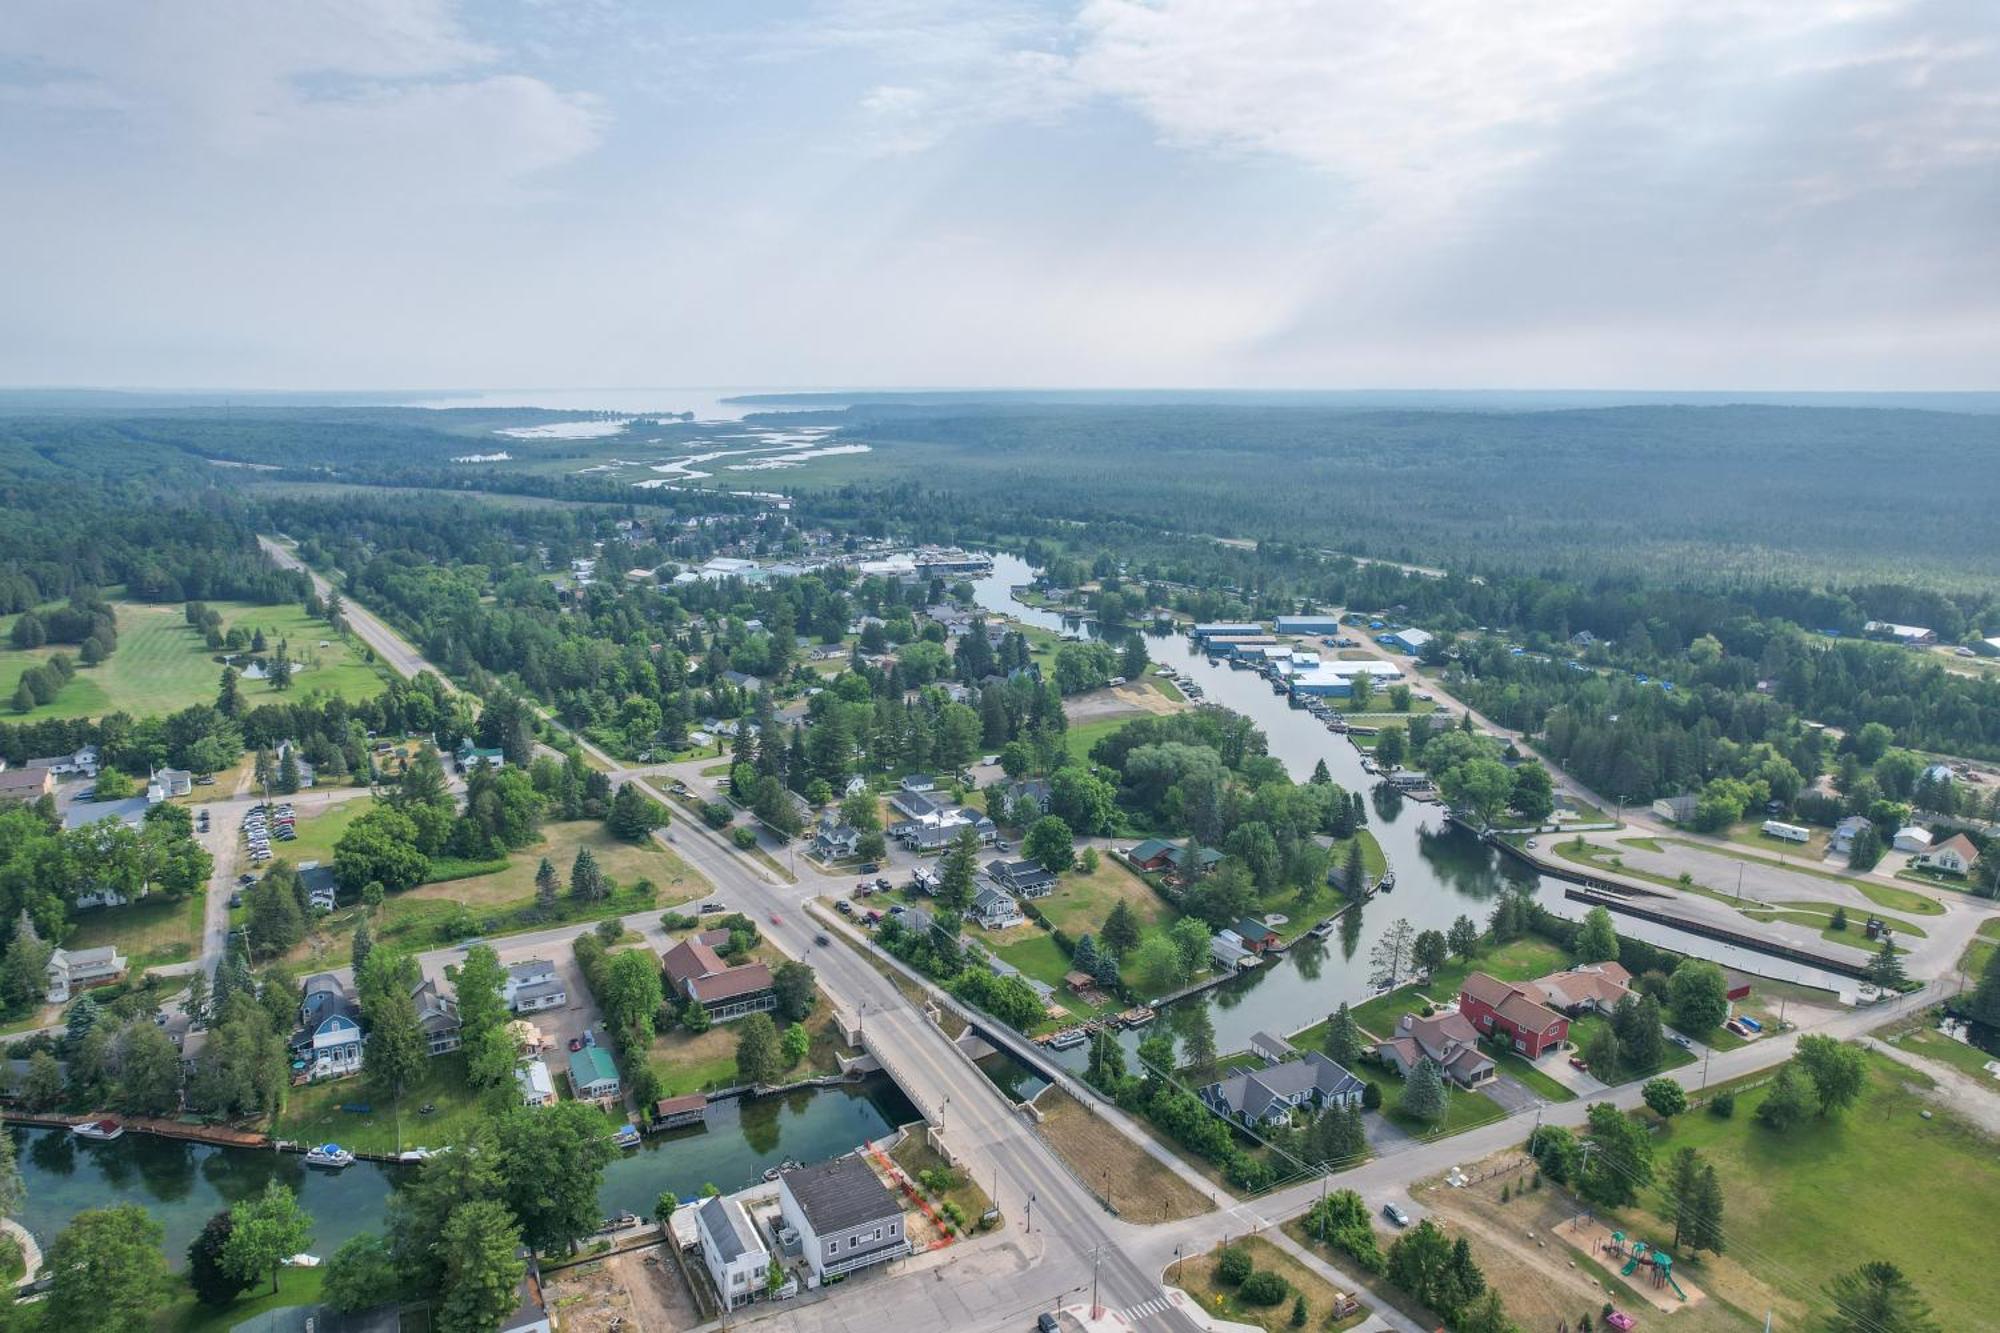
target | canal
[
  {"x": 1442, "y": 871},
  {"x": 182, "y": 1184}
]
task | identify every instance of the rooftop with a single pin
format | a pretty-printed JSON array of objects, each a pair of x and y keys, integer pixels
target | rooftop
[{"x": 840, "y": 1194}]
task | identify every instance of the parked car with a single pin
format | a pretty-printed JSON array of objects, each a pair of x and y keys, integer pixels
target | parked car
[
  {"x": 869, "y": 867},
  {"x": 1680, "y": 1041},
  {"x": 1578, "y": 1062},
  {"x": 882, "y": 886},
  {"x": 1046, "y": 1323},
  {"x": 706, "y": 908},
  {"x": 844, "y": 907},
  {"x": 576, "y": 1043},
  {"x": 1396, "y": 1216}
]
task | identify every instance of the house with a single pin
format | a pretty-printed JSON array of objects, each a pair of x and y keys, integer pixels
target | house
[
  {"x": 1034, "y": 793},
  {"x": 1844, "y": 832},
  {"x": 469, "y": 756},
  {"x": 1907, "y": 634},
  {"x": 174, "y": 781},
  {"x": 1498, "y": 1007},
  {"x": 835, "y": 842},
  {"x": 673, "y": 1112},
  {"x": 26, "y": 784},
  {"x": 743, "y": 681},
  {"x": 131, "y": 812},
  {"x": 1405, "y": 640},
  {"x": 538, "y": 1088},
  {"x": 1583, "y": 638},
  {"x": 1446, "y": 1038},
  {"x": 1912, "y": 839},
  {"x": 1150, "y": 854},
  {"x": 1308, "y": 624},
  {"x": 734, "y": 1252},
  {"x": 1955, "y": 856},
  {"x": 437, "y": 1017},
  {"x": 915, "y": 804},
  {"x": 1677, "y": 809},
  {"x": 932, "y": 833},
  {"x": 73, "y": 970},
  {"x": 1595, "y": 988},
  {"x": 332, "y": 1048},
  {"x": 995, "y": 910},
  {"x": 593, "y": 1076},
  {"x": 1268, "y": 1096},
  {"x": 533, "y": 985},
  {"x": 1029, "y": 879},
  {"x": 322, "y": 889},
  {"x": 83, "y": 761},
  {"x": 845, "y": 1216},
  {"x": 1256, "y": 936},
  {"x": 695, "y": 971},
  {"x": 531, "y": 1313},
  {"x": 1205, "y": 860},
  {"x": 918, "y": 782}
]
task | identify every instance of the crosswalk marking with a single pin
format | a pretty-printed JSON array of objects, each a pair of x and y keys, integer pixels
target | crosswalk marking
[{"x": 1152, "y": 1307}]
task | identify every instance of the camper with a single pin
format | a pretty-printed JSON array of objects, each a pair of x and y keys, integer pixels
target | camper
[{"x": 1774, "y": 828}]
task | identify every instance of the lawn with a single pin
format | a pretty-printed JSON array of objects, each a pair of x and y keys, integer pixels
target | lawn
[
  {"x": 1883, "y": 895},
  {"x": 297, "y": 1287},
  {"x": 1196, "y": 1277},
  {"x": 319, "y": 829},
  {"x": 1582, "y": 1030},
  {"x": 1523, "y": 1070},
  {"x": 1973, "y": 961},
  {"x": 1082, "y": 901},
  {"x": 1931, "y": 1044},
  {"x": 1082, "y": 735},
  {"x": 915, "y": 1154},
  {"x": 1880, "y": 1182},
  {"x": 1036, "y": 953},
  {"x": 312, "y": 1113},
  {"x": 1517, "y": 960},
  {"x": 1145, "y": 1190},
  {"x": 162, "y": 664},
  {"x": 689, "y": 1062},
  {"x": 1463, "y": 1110},
  {"x": 152, "y": 931}
]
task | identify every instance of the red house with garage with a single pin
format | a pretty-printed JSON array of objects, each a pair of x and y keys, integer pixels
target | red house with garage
[{"x": 1494, "y": 1006}]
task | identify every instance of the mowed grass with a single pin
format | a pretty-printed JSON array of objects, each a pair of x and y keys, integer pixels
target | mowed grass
[
  {"x": 162, "y": 664},
  {"x": 151, "y": 932},
  {"x": 312, "y": 1112},
  {"x": 1934, "y": 1045},
  {"x": 1082, "y": 901},
  {"x": 1880, "y": 1182},
  {"x": 1517, "y": 960},
  {"x": 297, "y": 1287},
  {"x": 1197, "y": 1278}
]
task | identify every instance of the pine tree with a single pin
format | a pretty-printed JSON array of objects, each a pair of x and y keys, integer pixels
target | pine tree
[
  {"x": 229, "y": 699},
  {"x": 1343, "y": 1037},
  {"x": 1354, "y": 874},
  {"x": 1423, "y": 1091},
  {"x": 1121, "y": 931},
  {"x": 1085, "y": 957},
  {"x": 956, "y": 871},
  {"x": 1684, "y": 1194},
  {"x": 1708, "y": 1213},
  {"x": 586, "y": 881},
  {"x": 1885, "y": 969},
  {"x": 547, "y": 886},
  {"x": 196, "y": 1003}
]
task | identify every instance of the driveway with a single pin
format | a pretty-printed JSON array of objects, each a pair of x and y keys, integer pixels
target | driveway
[{"x": 1509, "y": 1095}]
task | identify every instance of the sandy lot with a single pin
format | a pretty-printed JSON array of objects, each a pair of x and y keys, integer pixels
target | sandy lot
[{"x": 629, "y": 1293}]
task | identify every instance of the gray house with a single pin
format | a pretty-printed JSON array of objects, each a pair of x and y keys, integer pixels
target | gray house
[
  {"x": 1266, "y": 1096},
  {"x": 845, "y": 1216}
]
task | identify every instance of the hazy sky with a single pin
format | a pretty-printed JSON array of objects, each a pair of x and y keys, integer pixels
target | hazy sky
[{"x": 1309, "y": 193}]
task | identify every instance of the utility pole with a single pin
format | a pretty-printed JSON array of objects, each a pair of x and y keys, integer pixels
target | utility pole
[
  {"x": 1028, "y": 1227},
  {"x": 1706, "y": 1052},
  {"x": 1096, "y": 1254}
]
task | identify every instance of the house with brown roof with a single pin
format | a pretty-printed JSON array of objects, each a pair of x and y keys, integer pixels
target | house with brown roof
[
  {"x": 26, "y": 784},
  {"x": 695, "y": 971},
  {"x": 1497, "y": 1007},
  {"x": 1446, "y": 1038},
  {"x": 1593, "y": 988}
]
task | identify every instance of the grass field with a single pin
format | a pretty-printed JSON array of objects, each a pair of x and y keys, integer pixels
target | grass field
[
  {"x": 1081, "y": 902},
  {"x": 1922, "y": 1039},
  {"x": 687, "y": 1062},
  {"x": 1145, "y": 1190},
  {"x": 150, "y": 932},
  {"x": 1463, "y": 1110},
  {"x": 162, "y": 664},
  {"x": 312, "y": 1113},
  {"x": 297, "y": 1287},
  {"x": 1880, "y": 1182},
  {"x": 1582, "y": 1029},
  {"x": 1196, "y": 1277},
  {"x": 1882, "y": 895},
  {"x": 1973, "y": 961}
]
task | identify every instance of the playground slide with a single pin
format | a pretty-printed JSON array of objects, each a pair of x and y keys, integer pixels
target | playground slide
[
  {"x": 1630, "y": 1265},
  {"x": 1675, "y": 1285}
]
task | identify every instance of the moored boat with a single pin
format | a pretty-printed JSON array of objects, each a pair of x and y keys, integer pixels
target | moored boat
[
  {"x": 331, "y": 1156},
  {"x": 101, "y": 1131}
]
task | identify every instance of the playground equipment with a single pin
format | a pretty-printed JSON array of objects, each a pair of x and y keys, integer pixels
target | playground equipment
[{"x": 1659, "y": 1265}]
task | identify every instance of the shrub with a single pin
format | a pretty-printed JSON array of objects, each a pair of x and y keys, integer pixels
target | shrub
[
  {"x": 743, "y": 836},
  {"x": 1264, "y": 1288},
  {"x": 716, "y": 815},
  {"x": 1722, "y": 1105},
  {"x": 1371, "y": 1097},
  {"x": 677, "y": 921},
  {"x": 1232, "y": 1266}
]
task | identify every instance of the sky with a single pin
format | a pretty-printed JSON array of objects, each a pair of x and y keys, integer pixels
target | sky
[{"x": 387, "y": 194}]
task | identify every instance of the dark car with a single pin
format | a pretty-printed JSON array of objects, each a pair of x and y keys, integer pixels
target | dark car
[
  {"x": 576, "y": 1043},
  {"x": 821, "y": 939},
  {"x": 882, "y": 885},
  {"x": 706, "y": 908},
  {"x": 869, "y": 867},
  {"x": 1047, "y": 1324}
]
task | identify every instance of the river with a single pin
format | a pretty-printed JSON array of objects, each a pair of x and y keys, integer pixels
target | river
[
  {"x": 1442, "y": 871},
  {"x": 182, "y": 1184}
]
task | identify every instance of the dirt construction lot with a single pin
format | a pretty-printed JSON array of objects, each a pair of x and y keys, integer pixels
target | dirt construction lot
[{"x": 640, "y": 1290}]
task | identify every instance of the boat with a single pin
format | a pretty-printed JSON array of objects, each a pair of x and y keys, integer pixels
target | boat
[
  {"x": 330, "y": 1156},
  {"x": 1139, "y": 1017},
  {"x": 1387, "y": 883},
  {"x": 102, "y": 1131},
  {"x": 1068, "y": 1039},
  {"x": 627, "y": 1136}
]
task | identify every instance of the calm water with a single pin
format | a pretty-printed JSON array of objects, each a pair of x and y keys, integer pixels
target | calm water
[
  {"x": 183, "y": 1184},
  {"x": 1012, "y": 1077},
  {"x": 1442, "y": 871}
]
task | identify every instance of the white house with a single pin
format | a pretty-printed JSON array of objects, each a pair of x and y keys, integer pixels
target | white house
[
  {"x": 72, "y": 970},
  {"x": 996, "y": 910},
  {"x": 538, "y": 1088},
  {"x": 533, "y": 985},
  {"x": 735, "y": 1254},
  {"x": 1955, "y": 855},
  {"x": 1912, "y": 839}
]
